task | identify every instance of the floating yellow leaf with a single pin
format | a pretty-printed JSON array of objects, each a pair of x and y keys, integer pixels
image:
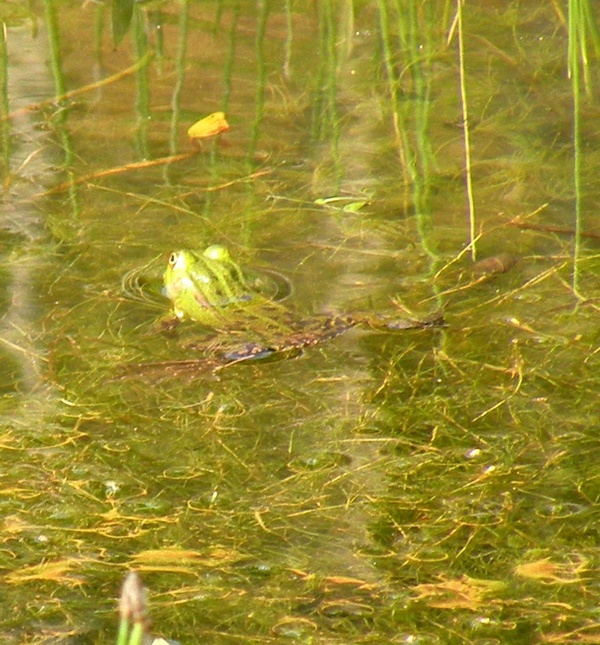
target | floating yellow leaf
[
  {"x": 180, "y": 558},
  {"x": 548, "y": 571},
  {"x": 56, "y": 571},
  {"x": 461, "y": 593},
  {"x": 163, "y": 556},
  {"x": 209, "y": 126}
]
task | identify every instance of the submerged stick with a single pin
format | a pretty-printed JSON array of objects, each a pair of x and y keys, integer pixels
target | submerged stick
[
  {"x": 108, "y": 172},
  {"x": 549, "y": 228},
  {"x": 86, "y": 88}
]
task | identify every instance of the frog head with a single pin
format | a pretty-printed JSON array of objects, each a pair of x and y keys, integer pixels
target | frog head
[{"x": 202, "y": 286}]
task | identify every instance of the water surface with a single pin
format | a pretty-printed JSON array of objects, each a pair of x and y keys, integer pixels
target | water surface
[{"x": 432, "y": 486}]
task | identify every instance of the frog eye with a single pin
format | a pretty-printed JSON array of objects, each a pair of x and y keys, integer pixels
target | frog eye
[
  {"x": 172, "y": 259},
  {"x": 217, "y": 252}
]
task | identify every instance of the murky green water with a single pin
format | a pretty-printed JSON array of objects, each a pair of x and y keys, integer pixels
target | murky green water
[{"x": 433, "y": 486}]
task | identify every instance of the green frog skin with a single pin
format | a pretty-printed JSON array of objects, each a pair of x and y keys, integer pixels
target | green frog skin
[{"x": 203, "y": 286}]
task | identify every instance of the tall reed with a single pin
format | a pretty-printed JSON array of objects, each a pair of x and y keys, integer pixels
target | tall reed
[{"x": 583, "y": 36}]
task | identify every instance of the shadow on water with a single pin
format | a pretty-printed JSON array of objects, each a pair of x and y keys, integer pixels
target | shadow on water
[{"x": 423, "y": 486}]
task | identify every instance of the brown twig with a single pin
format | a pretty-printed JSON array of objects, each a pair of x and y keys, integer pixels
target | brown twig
[
  {"x": 82, "y": 90},
  {"x": 137, "y": 165},
  {"x": 545, "y": 228}
]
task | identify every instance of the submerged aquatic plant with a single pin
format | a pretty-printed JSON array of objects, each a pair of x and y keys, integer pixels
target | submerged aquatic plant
[{"x": 122, "y": 13}]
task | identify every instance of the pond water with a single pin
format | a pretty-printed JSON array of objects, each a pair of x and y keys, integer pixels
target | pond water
[{"x": 420, "y": 486}]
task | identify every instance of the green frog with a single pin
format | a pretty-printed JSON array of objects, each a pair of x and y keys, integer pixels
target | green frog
[
  {"x": 244, "y": 308},
  {"x": 212, "y": 289}
]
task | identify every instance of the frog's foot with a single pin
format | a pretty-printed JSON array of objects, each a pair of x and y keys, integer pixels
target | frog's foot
[
  {"x": 158, "y": 371},
  {"x": 400, "y": 324},
  {"x": 435, "y": 320},
  {"x": 167, "y": 325}
]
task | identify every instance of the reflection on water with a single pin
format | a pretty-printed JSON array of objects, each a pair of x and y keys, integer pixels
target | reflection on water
[
  {"x": 415, "y": 486},
  {"x": 27, "y": 157}
]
